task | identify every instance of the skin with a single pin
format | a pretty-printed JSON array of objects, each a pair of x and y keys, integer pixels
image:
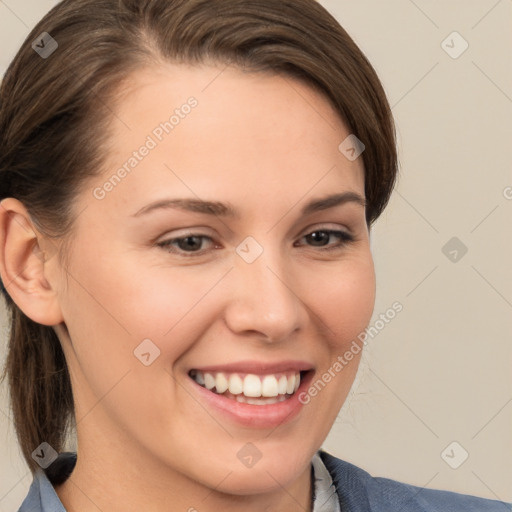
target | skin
[{"x": 267, "y": 145}]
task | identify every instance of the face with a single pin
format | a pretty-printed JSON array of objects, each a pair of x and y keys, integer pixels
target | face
[{"x": 163, "y": 299}]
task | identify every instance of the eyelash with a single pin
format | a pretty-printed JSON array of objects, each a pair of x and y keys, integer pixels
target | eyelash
[{"x": 345, "y": 238}]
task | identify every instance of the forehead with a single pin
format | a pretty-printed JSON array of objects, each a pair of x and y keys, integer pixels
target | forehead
[{"x": 221, "y": 133}]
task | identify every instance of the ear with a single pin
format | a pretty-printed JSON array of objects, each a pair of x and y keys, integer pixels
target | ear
[{"x": 24, "y": 267}]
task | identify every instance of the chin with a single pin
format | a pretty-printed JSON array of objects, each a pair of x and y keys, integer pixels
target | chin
[
  {"x": 259, "y": 480},
  {"x": 275, "y": 469}
]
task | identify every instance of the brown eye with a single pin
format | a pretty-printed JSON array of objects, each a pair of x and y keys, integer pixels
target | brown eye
[
  {"x": 320, "y": 238},
  {"x": 188, "y": 244}
]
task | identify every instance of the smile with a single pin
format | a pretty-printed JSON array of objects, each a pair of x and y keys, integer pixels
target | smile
[
  {"x": 250, "y": 388},
  {"x": 253, "y": 394}
]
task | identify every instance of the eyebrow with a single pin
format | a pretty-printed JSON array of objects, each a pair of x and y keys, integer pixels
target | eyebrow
[{"x": 227, "y": 210}]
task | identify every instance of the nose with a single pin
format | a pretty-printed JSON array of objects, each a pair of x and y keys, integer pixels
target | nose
[{"x": 264, "y": 302}]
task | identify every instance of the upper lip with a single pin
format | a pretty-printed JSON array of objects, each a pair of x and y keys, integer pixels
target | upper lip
[{"x": 257, "y": 367}]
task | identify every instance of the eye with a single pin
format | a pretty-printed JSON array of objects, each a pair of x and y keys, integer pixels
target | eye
[
  {"x": 321, "y": 237},
  {"x": 191, "y": 244}
]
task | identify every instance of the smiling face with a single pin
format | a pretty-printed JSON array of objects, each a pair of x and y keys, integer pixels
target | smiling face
[{"x": 160, "y": 298}]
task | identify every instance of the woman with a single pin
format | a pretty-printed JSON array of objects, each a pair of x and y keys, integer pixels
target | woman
[{"x": 187, "y": 192}]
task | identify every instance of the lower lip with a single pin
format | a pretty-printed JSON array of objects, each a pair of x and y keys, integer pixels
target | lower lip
[{"x": 255, "y": 416}]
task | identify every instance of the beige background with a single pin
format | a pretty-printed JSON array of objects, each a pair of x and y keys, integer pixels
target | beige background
[{"x": 440, "y": 371}]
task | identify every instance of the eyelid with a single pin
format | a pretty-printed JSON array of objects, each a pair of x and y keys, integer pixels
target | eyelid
[
  {"x": 184, "y": 232},
  {"x": 344, "y": 236},
  {"x": 200, "y": 232},
  {"x": 327, "y": 227}
]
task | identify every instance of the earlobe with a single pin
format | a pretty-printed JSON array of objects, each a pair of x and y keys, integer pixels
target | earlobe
[{"x": 24, "y": 265}]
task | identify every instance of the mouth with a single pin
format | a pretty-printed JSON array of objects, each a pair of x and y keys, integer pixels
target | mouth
[{"x": 251, "y": 388}]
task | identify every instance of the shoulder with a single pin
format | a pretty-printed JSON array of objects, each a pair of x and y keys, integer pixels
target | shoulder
[{"x": 358, "y": 491}]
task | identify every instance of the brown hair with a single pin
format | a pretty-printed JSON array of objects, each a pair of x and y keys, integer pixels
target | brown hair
[{"x": 54, "y": 115}]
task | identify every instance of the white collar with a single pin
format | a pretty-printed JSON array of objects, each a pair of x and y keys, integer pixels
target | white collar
[{"x": 325, "y": 496}]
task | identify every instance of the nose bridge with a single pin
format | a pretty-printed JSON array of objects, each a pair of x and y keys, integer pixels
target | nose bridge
[{"x": 263, "y": 300}]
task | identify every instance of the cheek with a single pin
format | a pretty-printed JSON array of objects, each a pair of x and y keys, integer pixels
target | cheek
[
  {"x": 108, "y": 316},
  {"x": 172, "y": 307},
  {"x": 130, "y": 301},
  {"x": 345, "y": 302}
]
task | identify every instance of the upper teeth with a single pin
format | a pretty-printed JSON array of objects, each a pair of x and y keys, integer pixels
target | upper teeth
[{"x": 250, "y": 385}]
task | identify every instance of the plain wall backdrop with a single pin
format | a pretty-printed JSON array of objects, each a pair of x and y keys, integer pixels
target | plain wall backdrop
[{"x": 434, "y": 385}]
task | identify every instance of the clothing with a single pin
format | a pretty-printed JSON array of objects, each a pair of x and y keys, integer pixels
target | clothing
[
  {"x": 358, "y": 491},
  {"x": 350, "y": 489},
  {"x": 325, "y": 498}
]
